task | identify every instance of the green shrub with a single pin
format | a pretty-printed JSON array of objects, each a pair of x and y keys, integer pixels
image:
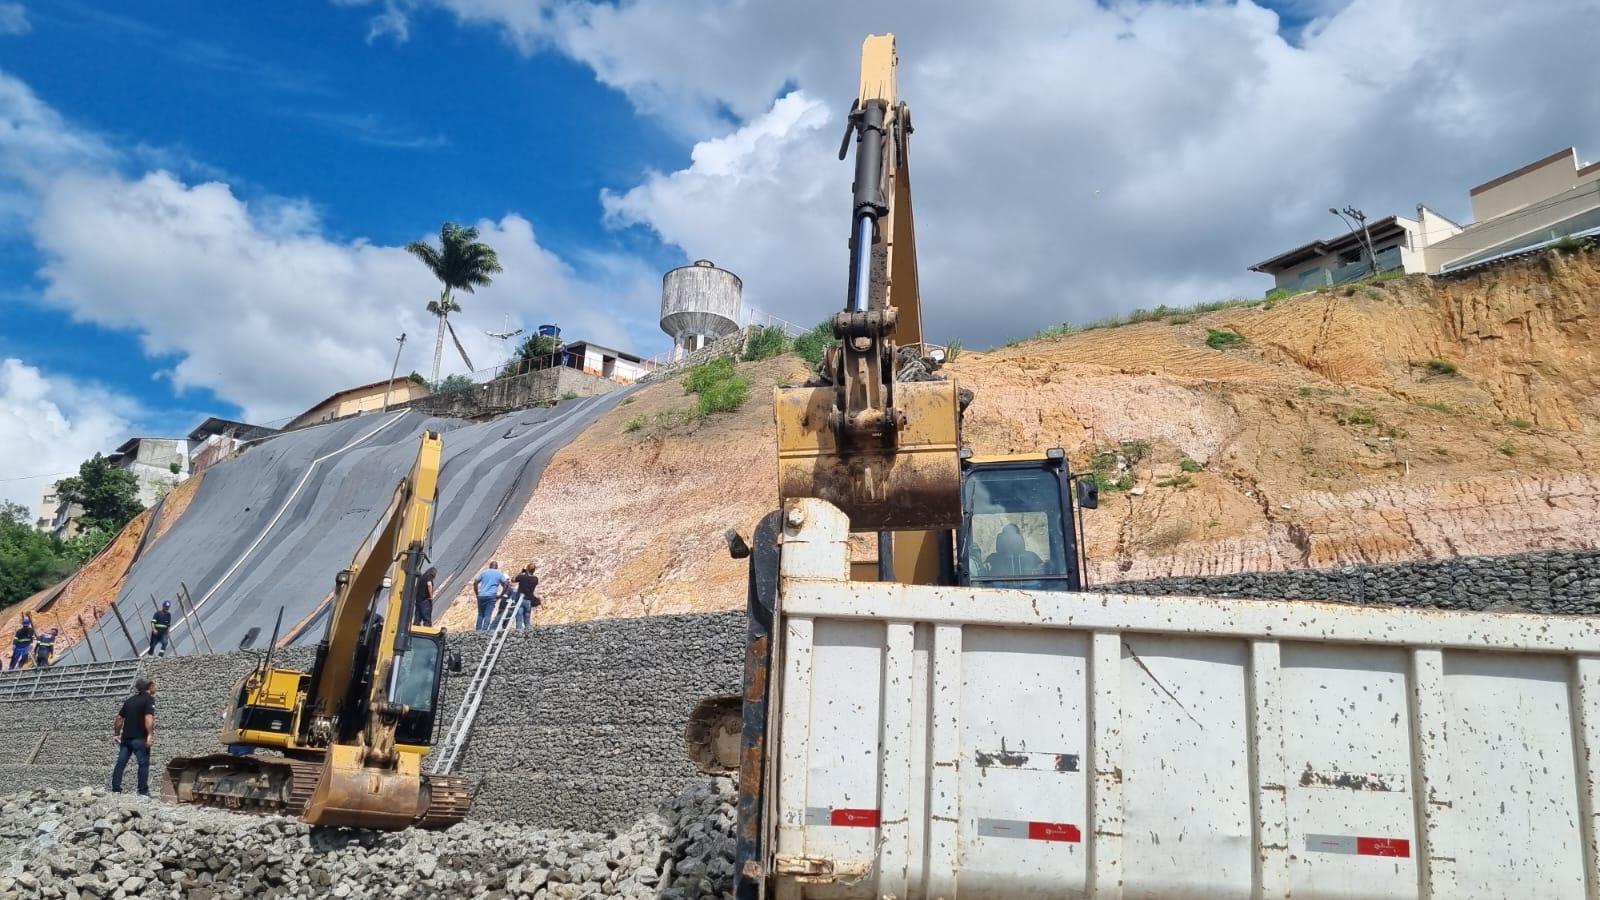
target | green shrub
[
  {"x": 706, "y": 374},
  {"x": 765, "y": 344},
  {"x": 634, "y": 424},
  {"x": 1356, "y": 417},
  {"x": 570, "y": 395},
  {"x": 813, "y": 343},
  {"x": 719, "y": 387},
  {"x": 627, "y": 400},
  {"x": 1507, "y": 449},
  {"x": 454, "y": 384},
  {"x": 1182, "y": 482},
  {"x": 1221, "y": 340},
  {"x": 1053, "y": 331},
  {"x": 1437, "y": 406},
  {"x": 951, "y": 351},
  {"x": 1441, "y": 366},
  {"x": 1189, "y": 465},
  {"x": 1519, "y": 423}
]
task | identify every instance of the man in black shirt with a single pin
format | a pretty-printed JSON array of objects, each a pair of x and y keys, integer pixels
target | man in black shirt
[
  {"x": 135, "y": 731},
  {"x": 526, "y": 601}
]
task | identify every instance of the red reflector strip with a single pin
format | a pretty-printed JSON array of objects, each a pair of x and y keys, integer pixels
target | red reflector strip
[
  {"x": 1371, "y": 846},
  {"x": 1033, "y": 831},
  {"x": 1358, "y": 846},
  {"x": 1054, "y": 831},
  {"x": 854, "y": 818}
]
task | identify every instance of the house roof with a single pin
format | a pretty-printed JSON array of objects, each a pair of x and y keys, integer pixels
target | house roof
[
  {"x": 620, "y": 354},
  {"x": 355, "y": 390},
  {"x": 217, "y": 425},
  {"x": 1323, "y": 247}
]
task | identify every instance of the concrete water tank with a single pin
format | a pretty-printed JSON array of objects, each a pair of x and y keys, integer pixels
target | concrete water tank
[{"x": 699, "y": 303}]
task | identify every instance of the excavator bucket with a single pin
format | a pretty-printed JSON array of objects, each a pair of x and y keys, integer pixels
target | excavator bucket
[
  {"x": 352, "y": 795},
  {"x": 912, "y": 484}
]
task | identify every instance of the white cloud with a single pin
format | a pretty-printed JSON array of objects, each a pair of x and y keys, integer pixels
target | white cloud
[
  {"x": 52, "y": 423},
  {"x": 1077, "y": 158},
  {"x": 14, "y": 19},
  {"x": 250, "y": 298}
]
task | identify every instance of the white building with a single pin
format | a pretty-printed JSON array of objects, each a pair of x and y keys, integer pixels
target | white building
[
  {"x": 1536, "y": 205},
  {"x": 159, "y": 464}
]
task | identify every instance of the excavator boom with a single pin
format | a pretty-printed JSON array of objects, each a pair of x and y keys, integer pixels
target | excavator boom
[{"x": 872, "y": 436}]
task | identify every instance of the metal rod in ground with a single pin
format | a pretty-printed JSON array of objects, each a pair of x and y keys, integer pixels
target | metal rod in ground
[
  {"x": 88, "y": 643},
  {"x": 105, "y": 641},
  {"x": 125, "y": 632},
  {"x": 193, "y": 614},
  {"x": 172, "y": 641}
]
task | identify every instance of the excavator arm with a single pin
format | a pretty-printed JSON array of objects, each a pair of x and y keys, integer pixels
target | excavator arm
[
  {"x": 366, "y": 781},
  {"x": 869, "y": 438}
]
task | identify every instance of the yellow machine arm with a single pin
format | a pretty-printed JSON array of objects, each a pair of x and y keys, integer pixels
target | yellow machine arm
[
  {"x": 879, "y": 446},
  {"x": 366, "y": 781}
]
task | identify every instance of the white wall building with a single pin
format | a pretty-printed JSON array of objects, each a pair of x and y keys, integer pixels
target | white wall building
[{"x": 159, "y": 464}]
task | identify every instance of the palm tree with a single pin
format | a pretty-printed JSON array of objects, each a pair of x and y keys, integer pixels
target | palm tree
[{"x": 460, "y": 262}]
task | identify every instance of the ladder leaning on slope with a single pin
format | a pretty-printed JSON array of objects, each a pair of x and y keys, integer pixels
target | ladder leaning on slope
[{"x": 449, "y": 750}]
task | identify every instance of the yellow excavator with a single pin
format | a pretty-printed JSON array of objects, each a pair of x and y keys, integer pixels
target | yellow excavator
[
  {"x": 344, "y": 742},
  {"x": 878, "y": 434}
]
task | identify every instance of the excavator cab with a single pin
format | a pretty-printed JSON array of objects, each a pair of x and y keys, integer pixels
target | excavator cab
[{"x": 1018, "y": 527}]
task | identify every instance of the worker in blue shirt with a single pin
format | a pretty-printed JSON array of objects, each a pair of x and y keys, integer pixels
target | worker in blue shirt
[
  {"x": 45, "y": 646},
  {"x": 488, "y": 586},
  {"x": 160, "y": 624},
  {"x": 21, "y": 643}
]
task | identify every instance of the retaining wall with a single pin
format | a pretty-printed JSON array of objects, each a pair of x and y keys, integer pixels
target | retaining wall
[
  {"x": 1553, "y": 581},
  {"x": 581, "y": 727}
]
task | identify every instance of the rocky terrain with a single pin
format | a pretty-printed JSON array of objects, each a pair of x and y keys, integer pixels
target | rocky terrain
[
  {"x": 89, "y": 844},
  {"x": 1405, "y": 420}
]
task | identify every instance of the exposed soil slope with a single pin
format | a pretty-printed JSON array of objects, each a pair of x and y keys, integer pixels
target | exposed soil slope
[{"x": 1325, "y": 437}]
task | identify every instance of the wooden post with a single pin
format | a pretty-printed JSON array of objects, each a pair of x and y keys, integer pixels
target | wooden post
[
  {"x": 188, "y": 603},
  {"x": 93, "y": 657},
  {"x": 125, "y": 632},
  {"x": 106, "y": 642}
]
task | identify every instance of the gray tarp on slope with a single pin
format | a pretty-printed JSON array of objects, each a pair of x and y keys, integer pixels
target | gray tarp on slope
[{"x": 239, "y": 582}]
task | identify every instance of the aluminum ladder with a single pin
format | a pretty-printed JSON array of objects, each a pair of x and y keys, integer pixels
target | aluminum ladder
[{"x": 449, "y": 750}]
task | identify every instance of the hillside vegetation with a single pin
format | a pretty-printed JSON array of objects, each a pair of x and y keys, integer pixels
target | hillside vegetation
[{"x": 1408, "y": 419}]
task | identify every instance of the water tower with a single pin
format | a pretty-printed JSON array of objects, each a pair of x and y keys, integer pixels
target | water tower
[{"x": 699, "y": 304}]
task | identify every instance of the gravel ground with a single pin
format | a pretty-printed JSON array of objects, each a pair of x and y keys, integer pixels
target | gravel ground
[{"x": 91, "y": 844}]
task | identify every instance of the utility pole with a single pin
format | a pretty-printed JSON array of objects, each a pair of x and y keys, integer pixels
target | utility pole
[
  {"x": 1363, "y": 237},
  {"x": 401, "y": 341}
]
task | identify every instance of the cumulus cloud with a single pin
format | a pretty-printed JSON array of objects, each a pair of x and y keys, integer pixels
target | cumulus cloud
[
  {"x": 14, "y": 19},
  {"x": 52, "y": 423},
  {"x": 1072, "y": 159},
  {"x": 250, "y": 298}
]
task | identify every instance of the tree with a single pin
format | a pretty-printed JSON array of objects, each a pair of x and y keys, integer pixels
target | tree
[
  {"x": 29, "y": 560},
  {"x": 537, "y": 351},
  {"x": 461, "y": 263},
  {"x": 109, "y": 496}
]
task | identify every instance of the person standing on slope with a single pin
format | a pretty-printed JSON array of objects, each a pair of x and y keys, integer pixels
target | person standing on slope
[
  {"x": 45, "y": 647},
  {"x": 423, "y": 614},
  {"x": 160, "y": 624},
  {"x": 21, "y": 643},
  {"x": 526, "y": 601},
  {"x": 487, "y": 586}
]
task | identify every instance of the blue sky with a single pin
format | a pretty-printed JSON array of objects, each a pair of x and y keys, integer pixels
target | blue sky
[{"x": 202, "y": 204}]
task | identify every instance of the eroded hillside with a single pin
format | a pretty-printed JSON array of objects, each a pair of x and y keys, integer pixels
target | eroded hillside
[{"x": 1410, "y": 419}]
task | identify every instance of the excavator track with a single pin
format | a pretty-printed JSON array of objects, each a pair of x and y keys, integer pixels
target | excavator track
[
  {"x": 277, "y": 786},
  {"x": 448, "y": 798}
]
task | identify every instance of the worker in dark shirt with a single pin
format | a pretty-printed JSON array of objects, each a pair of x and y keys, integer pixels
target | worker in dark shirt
[
  {"x": 45, "y": 646},
  {"x": 160, "y": 624},
  {"x": 423, "y": 614},
  {"x": 135, "y": 731},
  {"x": 21, "y": 643},
  {"x": 526, "y": 582}
]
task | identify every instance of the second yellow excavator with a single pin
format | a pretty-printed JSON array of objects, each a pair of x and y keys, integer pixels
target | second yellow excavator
[{"x": 343, "y": 743}]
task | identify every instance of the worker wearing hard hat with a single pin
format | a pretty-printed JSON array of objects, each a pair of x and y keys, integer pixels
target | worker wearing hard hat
[
  {"x": 160, "y": 625},
  {"x": 21, "y": 643},
  {"x": 44, "y": 647}
]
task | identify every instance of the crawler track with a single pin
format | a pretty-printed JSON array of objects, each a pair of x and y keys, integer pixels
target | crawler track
[{"x": 274, "y": 785}]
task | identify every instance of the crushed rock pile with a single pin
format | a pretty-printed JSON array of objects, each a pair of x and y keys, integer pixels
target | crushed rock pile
[{"x": 91, "y": 844}]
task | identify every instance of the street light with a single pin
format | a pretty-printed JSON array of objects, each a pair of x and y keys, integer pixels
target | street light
[
  {"x": 401, "y": 342},
  {"x": 1364, "y": 238}
]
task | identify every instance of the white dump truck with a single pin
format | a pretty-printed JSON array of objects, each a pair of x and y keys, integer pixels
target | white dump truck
[{"x": 905, "y": 741}]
